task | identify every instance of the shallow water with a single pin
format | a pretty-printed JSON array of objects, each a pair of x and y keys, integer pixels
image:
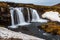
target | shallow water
[{"x": 35, "y": 30}]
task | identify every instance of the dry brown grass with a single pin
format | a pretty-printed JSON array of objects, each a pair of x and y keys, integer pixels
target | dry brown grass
[{"x": 51, "y": 27}]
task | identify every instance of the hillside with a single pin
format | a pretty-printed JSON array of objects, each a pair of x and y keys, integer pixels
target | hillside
[{"x": 57, "y": 4}]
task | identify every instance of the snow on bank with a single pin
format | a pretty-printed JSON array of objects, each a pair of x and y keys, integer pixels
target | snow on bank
[
  {"x": 5, "y": 33},
  {"x": 53, "y": 16}
]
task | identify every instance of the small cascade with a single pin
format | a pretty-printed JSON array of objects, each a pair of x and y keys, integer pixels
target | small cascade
[
  {"x": 28, "y": 15},
  {"x": 21, "y": 21},
  {"x": 36, "y": 18},
  {"x": 12, "y": 19}
]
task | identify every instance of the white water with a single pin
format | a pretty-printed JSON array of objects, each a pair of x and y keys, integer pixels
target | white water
[
  {"x": 12, "y": 19},
  {"x": 20, "y": 17},
  {"x": 28, "y": 15},
  {"x": 21, "y": 21},
  {"x": 36, "y": 18}
]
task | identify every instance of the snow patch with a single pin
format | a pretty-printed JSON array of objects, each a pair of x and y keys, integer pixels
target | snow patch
[
  {"x": 53, "y": 16},
  {"x": 5, "y": 33}
]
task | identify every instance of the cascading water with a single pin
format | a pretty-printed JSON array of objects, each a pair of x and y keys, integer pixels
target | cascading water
[
  {"x": 20, "y": 17},
  {"x": 36, "y": 18},
  {"x": 28, "y": 15},
  {"x": 12, "y": 19},
  {"x": 21, "y": 21}
]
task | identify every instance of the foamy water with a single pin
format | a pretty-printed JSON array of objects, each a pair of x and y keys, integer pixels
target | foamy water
[{"x": 36, "y": 17}]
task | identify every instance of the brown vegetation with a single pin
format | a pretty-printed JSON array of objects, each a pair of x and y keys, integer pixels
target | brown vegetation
[
  {"x": 51, "y": 27},
  {"x": 10, "y": 39}
]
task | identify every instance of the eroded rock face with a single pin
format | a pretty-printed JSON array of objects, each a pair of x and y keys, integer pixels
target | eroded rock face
[{"x": 4, "y": 16}]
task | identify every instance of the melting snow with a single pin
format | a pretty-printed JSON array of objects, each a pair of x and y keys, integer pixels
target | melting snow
[
  {"x": 53, "y": 16},
  {"x": 5, "y": 33}
]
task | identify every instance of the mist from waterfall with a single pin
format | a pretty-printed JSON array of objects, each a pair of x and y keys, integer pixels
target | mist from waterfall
[{"x": 35, "y": 17}]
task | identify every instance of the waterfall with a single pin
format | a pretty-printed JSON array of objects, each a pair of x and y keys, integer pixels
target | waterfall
[
  {"x": 28, "y": 15},
  {"x": 36, "y": 18},
  {"x": 21, "y": 19},
  {"x": 12, "y": 19}
]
